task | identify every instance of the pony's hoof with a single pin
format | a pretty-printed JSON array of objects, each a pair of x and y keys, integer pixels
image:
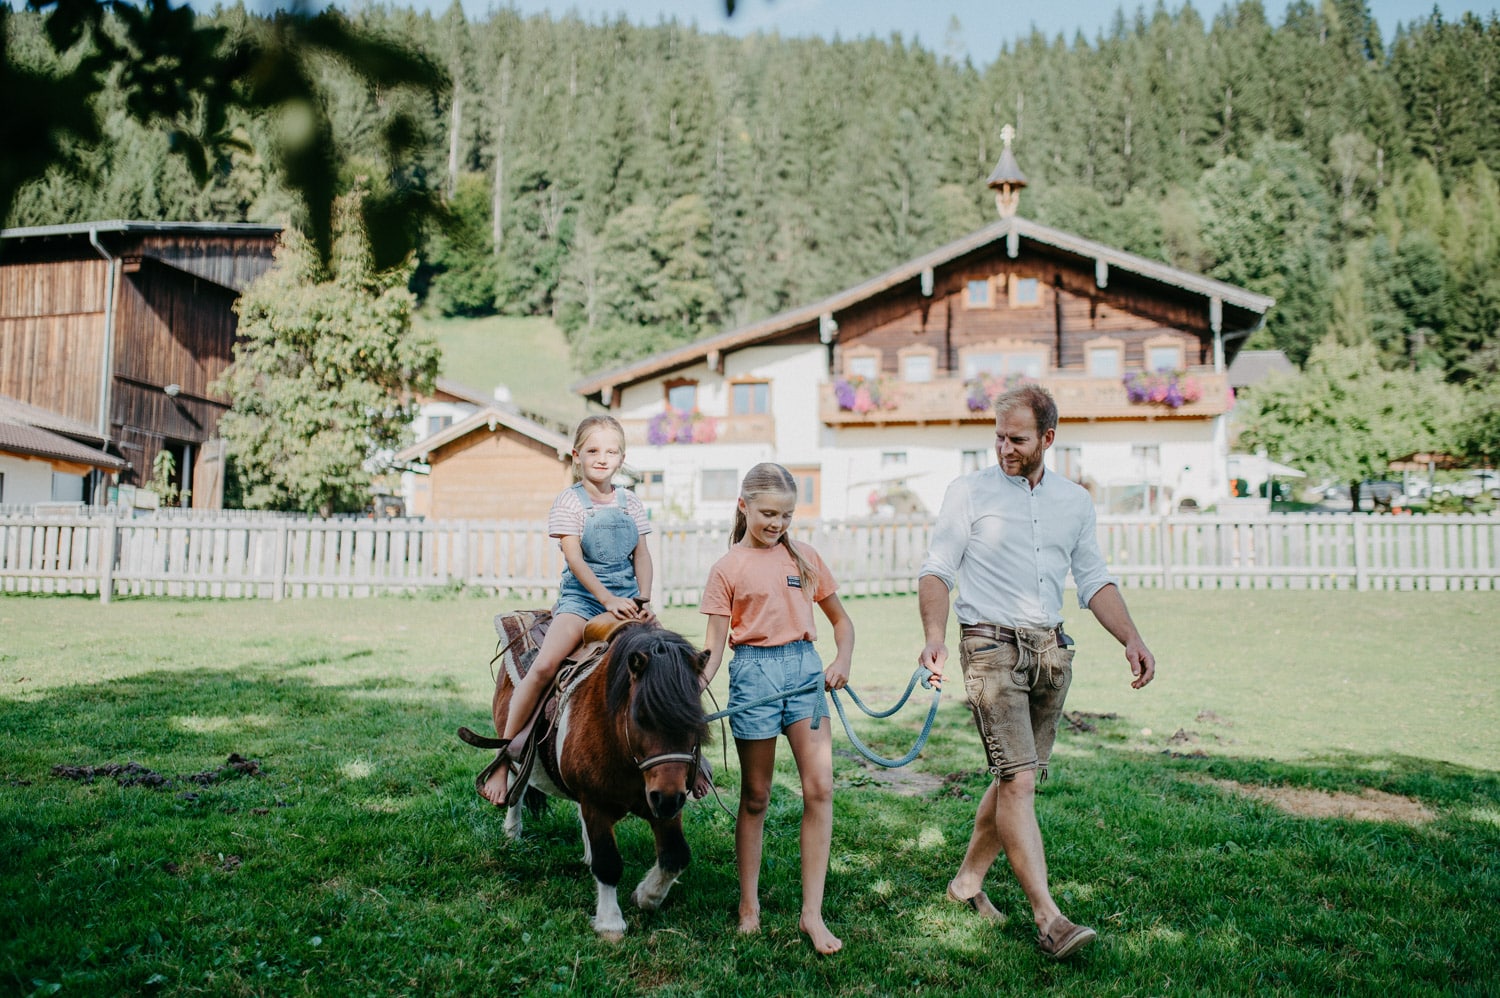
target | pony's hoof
[
  {"x": 611, "y": 936},
  {"x": 645, "y": 901}
]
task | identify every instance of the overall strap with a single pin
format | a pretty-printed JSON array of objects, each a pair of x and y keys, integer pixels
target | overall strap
[{"x": 620, "y": 498}]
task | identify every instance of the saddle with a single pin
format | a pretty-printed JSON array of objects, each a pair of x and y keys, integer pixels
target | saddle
[{"x": 520, "y": 638}]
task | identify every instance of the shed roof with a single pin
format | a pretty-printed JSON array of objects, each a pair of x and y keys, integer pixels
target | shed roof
[
  {"x": 1248, "y": 306},
  {"x": 33, "y": 441},
  {"x": 490, "y": 417}
]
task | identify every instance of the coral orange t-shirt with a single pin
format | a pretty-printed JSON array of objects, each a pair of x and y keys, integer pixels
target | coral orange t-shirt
[{"x": 764, "y": 596}]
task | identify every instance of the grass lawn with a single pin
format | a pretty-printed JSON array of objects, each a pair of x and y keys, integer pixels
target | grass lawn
[
  {"x": 356, "y": 858},
  {"x": 527, "y": 355}
]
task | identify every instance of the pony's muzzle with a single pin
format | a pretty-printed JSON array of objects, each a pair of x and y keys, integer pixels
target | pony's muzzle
[{"x": 664, "y": 805}]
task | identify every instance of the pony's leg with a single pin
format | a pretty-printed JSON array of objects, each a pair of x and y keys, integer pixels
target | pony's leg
[
  {"x": 609, "y": 921},
  {"x": 588, "y": 853},
  {"x": 672, "y": 856},
  {"x": 513, "y": 821}
]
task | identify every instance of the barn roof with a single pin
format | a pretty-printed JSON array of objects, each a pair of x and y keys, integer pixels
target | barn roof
[
  {"x": 230, "y": 254},
  {"x": 1242, "y": 309}
]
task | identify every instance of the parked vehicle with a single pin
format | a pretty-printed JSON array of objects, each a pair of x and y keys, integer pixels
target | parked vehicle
[
  {"x": 1379, "y": 494},
  {"x": 1475, "y": 484}
]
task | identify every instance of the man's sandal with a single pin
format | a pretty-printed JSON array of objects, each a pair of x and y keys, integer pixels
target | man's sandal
[{"x": 979, "y": 903}]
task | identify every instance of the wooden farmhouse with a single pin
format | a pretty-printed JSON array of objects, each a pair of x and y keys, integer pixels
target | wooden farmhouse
[
  {"x": 117, "y": 330},
  {"x": 479, "y": 458},
  {"x": 877, "y": 396}
]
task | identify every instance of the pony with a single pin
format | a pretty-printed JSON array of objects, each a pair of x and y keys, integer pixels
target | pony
[{"x": 626, "y": 738}]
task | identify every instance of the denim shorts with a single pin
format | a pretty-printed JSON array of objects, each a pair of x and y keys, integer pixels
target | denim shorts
[
  {"x": 756, "y": 672},
  {"x": 578, "y": 604},
  {"x": 1016, "y": 692}
]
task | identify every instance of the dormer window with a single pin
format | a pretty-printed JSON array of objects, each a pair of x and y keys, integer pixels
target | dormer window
[
  {"x": 1025, "y": 292},
  {"x": 979, "y": 294}
]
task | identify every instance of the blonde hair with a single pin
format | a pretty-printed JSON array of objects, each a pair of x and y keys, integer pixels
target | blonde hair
[
  {"x": 772, "y": 479},
  {"x": 581, "y": 435}
]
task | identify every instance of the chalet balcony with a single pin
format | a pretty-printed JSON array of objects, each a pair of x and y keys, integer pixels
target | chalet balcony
[
  {"x": 700, "y": 429},
  {"x": 946, "y": 400}
]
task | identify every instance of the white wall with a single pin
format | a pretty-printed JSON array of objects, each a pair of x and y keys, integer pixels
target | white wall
[{"x": 26, "y": 480}]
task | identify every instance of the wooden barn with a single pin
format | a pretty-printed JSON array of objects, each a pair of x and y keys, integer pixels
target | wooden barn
[{"x": 122, "y": 327}]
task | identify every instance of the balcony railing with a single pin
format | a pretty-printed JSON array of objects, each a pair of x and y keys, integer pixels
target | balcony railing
[
  {"x": 727, "y": 430},
  {"x": 1078, "y": 397}
]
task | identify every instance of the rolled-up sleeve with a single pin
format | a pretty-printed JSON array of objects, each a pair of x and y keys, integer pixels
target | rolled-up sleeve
[
  {"x": 1090, "y": 573},
  {"x": 950, "y": 536}
]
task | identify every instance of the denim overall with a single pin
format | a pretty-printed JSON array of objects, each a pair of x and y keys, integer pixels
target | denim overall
[{"x": 609, "y": 539}]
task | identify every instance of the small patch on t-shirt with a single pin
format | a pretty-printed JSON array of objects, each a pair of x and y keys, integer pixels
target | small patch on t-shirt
[{"x": 794, "y": 582}]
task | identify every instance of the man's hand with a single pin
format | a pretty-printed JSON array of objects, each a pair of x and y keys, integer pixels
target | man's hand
[
  {"x": 933, "y": 657},
  {"x": 1142, "y": 662}
]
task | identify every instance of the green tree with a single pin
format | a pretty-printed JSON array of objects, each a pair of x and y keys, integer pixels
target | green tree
[
  {"x": 324, "y": 375},
  {"x": 185, "y": 79},
  {"x": 1346, "y": 416}
]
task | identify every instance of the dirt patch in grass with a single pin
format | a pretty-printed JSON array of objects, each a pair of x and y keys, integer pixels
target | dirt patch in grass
[{"x": 1368, "y": 805}]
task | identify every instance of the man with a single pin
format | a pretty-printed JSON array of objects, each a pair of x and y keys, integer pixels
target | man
[{"x": 1007, "y": 538}]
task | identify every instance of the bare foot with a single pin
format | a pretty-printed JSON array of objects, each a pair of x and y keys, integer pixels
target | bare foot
[
  {"x": 495, "y": 787},
  {"x": 823, "y": 941},
  {"x": 749, "y": 921}
]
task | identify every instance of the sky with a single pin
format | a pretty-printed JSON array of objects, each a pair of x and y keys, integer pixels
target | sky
[{"x": 985, "y": 24}]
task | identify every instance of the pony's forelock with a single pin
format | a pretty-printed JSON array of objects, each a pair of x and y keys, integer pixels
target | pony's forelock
[{"x": 667, "y": 695}]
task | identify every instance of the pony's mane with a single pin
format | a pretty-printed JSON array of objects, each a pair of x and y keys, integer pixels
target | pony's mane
[{"x": 667, "y": 697}]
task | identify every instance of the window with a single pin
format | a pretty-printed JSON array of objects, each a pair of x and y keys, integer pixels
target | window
[
  {"x": 1025, "y": 292},
  {"x": 437, "y": 424},
  {"x": 649, "y": 486},
  {"x": 1069, "y": 462},
  {"x": 682, "y": 395},
  {"x": 983, "y": 363},
  {"x": 749, "y": 398},
  {"x": 1163, "y": 358},
  {"x": 1028, "y": 364},
  {"x": 977, "y": 294},
  {"x": 893, "y": 459},
  {"x": 2, "y": 486},
  {"x": 807, "y": 488},
  {"x": 1104, "y": 362},
  {"x": 973, "y": 460},
  {"x": 863, "y": 365},
  {"x": 1003, "y": 363},
  {"x": 720, "y": 484},
  {"x": 1163, "y": 353},
  {"x": 67, "y": 488},
  {"x": 916, "y": 367},
  {"x": 1147, "y": 458}
]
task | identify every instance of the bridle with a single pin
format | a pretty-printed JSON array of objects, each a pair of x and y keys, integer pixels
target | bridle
[{"x": 692, "y": 758}]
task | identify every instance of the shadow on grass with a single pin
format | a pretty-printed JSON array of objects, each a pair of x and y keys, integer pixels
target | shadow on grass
[{"x": 359, "y": 858}]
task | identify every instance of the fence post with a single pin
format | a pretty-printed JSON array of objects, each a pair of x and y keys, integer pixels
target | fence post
[
  {"x": 107, "y": 545},
  {"x": 278, "y": 561},
  {"x": 463, "y": 555},
  {"x": 1164, "y": 551},
  {"x": 1361, "y": 566}
]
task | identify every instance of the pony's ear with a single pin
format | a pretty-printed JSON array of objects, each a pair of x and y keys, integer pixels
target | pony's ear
[
  {"x": 703, "y": 657},
  {"x": 638, "y": 662}
]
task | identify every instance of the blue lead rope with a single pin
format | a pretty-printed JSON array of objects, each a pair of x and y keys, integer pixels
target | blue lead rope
[{"x": 923, "y": 675}]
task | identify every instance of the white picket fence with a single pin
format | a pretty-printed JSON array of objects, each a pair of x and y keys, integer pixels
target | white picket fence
[{"x": 298, "y": 558}]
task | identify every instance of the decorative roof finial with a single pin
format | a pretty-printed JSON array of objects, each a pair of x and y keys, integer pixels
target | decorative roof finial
[{"x": 1007, "y": 178}]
